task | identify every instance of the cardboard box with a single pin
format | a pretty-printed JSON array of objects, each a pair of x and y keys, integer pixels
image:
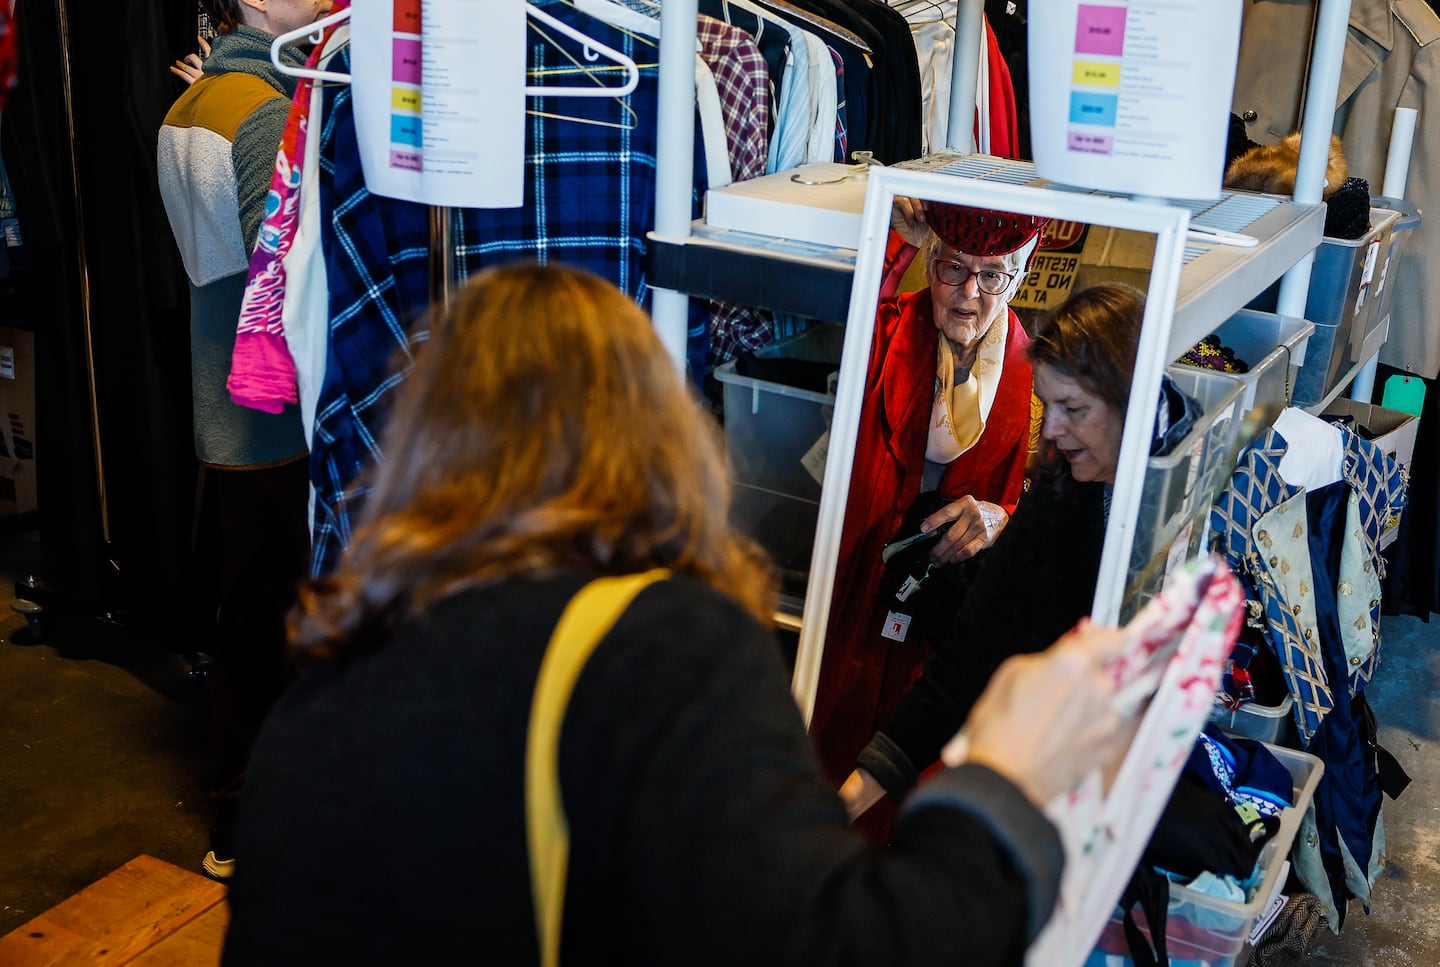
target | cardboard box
[
  {"x": 18, "y": 491},
  {"x": 1393, "y": 432}
]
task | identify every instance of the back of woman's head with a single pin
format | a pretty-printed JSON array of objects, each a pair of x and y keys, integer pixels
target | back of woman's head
[
  {"x": 1091, "y": 338},
  {"x": 542, "y": 428}
]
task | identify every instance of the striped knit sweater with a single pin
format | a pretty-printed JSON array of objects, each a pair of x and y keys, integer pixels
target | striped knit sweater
[{"x": 216, "y": 155}]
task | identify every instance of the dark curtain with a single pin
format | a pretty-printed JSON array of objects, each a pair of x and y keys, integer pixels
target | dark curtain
[
  {"x": 1412, "y": 580},
  {"x": 148, "y": 570}
]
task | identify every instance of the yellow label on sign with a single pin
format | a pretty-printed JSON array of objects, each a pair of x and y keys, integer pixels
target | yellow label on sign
[
  {"x": 1091, "y": 73},
  {"x": 405, "y": 99}
]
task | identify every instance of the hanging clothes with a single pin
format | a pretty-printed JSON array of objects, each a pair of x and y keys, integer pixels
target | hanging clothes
[
  {"x": 887, "y": 93},
  {"x": 742, "y": 80},
  {"x": 932, "y": 25},
  {"x": 286, "y": 299},
  {"x": 1315, "y": 571},
  {"x": 1007, "y": 21},
  {"x": 1391, "y": 59},
  {"x": 9, "y": 51},
  {"x": 710, "y": 119},
  {"x": 589, "y": 201},
  {"x": 787, "y": 62}
]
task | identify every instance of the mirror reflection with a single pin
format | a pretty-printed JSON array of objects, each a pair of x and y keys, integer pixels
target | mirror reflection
[{"x": 989, "y": 435}]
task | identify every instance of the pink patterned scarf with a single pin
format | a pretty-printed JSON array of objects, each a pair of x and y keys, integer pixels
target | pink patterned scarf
[{"x": 262, "y": 371}]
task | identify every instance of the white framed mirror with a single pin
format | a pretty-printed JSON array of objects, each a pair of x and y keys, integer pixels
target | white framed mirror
[{"x": 1111, "y": 222}]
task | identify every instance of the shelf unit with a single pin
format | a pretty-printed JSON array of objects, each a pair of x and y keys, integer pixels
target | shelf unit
[{"x": 815, "y": 280}]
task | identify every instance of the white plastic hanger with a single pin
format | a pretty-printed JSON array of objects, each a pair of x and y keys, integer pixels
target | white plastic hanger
[
  {"x": 316, "y": 33},
  {"x": 593, "y": 50}
]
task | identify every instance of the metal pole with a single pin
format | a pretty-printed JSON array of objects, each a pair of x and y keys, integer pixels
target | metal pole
[
  {"x": 1319, "y": 120},
  {"x": 674, "y": 161},
  {"x": 965, "y": 75},
  {"x": 84, "y": 269},
  {"x": 442, "y": 256}
]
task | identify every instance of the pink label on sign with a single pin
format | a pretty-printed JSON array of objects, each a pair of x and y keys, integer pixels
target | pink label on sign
[
  {"x": 1091, "y": 143},
  {"x": 1100, "y": 30},
  {"x": 407, "y": 161},
  {"x": 407, "y": 61}
]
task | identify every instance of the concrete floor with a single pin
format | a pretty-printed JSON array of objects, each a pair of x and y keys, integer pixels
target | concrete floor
[{"x": 103, "y": 757}]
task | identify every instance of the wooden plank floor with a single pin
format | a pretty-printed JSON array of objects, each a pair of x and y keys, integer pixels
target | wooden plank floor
[{"x": 148, "y": 912}]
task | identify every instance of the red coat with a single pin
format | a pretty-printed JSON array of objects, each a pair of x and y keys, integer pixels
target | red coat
[{"x": 863, "y": 676}]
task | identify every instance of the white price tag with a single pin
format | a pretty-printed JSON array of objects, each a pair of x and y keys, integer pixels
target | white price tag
[
  {"x": 907, "y": 588},
  {"x": 897, "y": 626},
  {"x": 814, "y": 459}
]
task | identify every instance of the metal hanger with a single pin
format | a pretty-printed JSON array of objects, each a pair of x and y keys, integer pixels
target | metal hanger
[
  {"x": 792, "y": 12},
  {"x": 592, "y": 50}
]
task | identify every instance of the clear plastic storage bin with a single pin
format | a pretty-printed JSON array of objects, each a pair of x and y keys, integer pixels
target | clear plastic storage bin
[
  {"x": 775, "y": 438},
  {"x": 1264, "y": 723},
  {"x": 1341, "y": 283},
  {"x": 1274, "y": 347},
  {"x": 1180, "y": 486},
  {"x": 1365, "y": 342},
  {"x": 1205, "y": 928}
]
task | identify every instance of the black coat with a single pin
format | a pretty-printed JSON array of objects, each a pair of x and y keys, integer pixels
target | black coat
[
  {"x": 383, "y": 820},
  {"x": 1033, "y": 585}
]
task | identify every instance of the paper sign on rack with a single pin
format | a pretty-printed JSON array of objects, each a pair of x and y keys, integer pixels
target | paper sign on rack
[
  {"x": 439, "y": 93},
  {"x": 1133, "y": 96}
]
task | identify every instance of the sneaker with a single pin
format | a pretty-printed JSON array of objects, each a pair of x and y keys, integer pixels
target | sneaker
[
  {"x": 219, "y": 862},
  {"x": 217, "y": 868}
]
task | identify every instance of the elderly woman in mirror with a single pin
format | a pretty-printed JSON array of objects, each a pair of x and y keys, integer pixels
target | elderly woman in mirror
[
  {"x": 1040, "y": 577},
  {"x": 941, "y": 449}
]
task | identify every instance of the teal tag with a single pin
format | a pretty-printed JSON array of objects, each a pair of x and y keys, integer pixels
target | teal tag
[{"x": 1404, "y": 393}]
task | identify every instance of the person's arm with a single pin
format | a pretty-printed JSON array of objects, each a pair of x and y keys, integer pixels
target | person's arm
[
  {"x": 731, "y": 847},
  {"x": 257, "y": 142}
]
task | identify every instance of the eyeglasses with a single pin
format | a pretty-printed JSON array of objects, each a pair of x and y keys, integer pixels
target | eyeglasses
[{"x": 989, "y": 281}]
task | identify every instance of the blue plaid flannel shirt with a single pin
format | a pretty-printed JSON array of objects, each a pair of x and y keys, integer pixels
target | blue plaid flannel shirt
[{"x": 589, "y": 201}]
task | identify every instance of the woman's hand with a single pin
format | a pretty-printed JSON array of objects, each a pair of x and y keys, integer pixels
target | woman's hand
[
  {"x": 860, "y": 791},
  {"x": 908, "y": 218},
  {"x": 192, "y": 67},
  {"x": 973, "y": 526},
  {"x": 1046, "y": 720}
]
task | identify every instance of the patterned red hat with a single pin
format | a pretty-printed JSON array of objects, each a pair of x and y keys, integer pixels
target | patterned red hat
[{"x": 981, "y": 231}]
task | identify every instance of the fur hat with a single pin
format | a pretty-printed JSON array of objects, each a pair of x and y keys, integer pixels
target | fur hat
[{"x": 981, "y": 231}]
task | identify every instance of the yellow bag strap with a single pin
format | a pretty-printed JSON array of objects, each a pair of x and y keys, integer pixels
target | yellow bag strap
[{"x": 587, "y": 618}]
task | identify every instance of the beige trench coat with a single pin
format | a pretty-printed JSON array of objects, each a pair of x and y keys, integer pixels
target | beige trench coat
[{"x": 1391, "y": 59}]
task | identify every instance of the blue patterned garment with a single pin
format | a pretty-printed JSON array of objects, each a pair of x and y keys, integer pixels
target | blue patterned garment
[
  {"x": 1316, "y": 574},
  {"x": 1255, "y": 488},
  {"x": 1377, "y": 488},
  {"x": 589, "y": 202}
]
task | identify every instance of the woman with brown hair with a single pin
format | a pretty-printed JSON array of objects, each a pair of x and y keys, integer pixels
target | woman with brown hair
[{"x": 543, "y": 439}]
